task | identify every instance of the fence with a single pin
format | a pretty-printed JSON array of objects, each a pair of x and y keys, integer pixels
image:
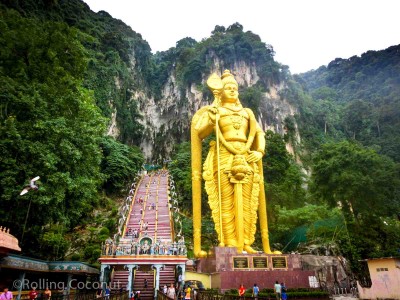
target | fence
[
  {"x": 215, "y": 295},
  {"x": 89, "y": 296}
]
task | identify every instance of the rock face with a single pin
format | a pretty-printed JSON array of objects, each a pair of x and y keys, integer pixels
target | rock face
[
  {"x": 167, "y": 121},
  {"x": 332, "y": 272},
  {"x": 148, "y": 98}
]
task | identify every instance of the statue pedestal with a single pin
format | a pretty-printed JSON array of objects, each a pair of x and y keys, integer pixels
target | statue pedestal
[{"x": 229, "y": 269}]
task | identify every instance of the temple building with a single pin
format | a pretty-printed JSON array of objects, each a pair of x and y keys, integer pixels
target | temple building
[{"x": 21, "y": 273}]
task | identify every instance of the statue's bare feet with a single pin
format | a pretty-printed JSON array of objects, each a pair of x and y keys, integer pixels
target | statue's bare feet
[{"x": 248, "y": 249}]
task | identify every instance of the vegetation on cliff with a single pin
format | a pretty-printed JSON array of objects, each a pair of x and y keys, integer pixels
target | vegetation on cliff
[
  {"x": 193, "y": 60},
  {"x": 356, "y": 98}
]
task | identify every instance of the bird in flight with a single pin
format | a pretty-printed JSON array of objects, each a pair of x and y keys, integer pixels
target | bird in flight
[{"x": 31, "y": 186}]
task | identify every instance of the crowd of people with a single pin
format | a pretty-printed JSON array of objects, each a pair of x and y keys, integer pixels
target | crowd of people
[
  {"x": 279, "y": 290},
  {"x": 178, "y": 291},
  {"x": 33, "y": 294},
  {"x": 134, "y": 233}
]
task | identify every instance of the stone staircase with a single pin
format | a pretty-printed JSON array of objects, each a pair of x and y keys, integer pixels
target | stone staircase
[
  {"x": 139, "y": 284},
  {"x": 167, "y": 276},
  {"x": 152, "y": 209},
  {"x": 120, "y": 280}
]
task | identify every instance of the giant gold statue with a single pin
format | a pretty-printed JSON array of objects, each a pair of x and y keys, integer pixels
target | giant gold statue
[{"x": 232, "y": 171}]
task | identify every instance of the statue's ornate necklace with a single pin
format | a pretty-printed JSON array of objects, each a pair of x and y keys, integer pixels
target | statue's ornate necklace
[
  {"x": 235, "y": 108},
  {"x": 237, "y": 120}
]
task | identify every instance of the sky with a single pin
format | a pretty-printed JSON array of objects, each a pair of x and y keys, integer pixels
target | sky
[{"x": 305, "y": 34}]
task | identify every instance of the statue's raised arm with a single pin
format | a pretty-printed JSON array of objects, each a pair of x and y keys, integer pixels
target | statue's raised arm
[{"x": 232, "y": 171}]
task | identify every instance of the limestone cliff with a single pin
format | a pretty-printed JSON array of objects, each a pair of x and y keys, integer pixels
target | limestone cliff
[
  {"x": 162, "y": 91},
  {"x": 166, "y": 121},
  {"x": 149, "y": 98}
]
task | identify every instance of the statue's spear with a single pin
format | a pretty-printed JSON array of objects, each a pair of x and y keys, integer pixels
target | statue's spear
[{"x": 214, "y": 82}]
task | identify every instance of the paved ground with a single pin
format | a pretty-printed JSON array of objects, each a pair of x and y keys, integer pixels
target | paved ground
[{"x": 344, "y": 297}]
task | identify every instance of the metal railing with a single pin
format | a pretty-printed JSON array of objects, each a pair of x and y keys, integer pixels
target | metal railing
[
  {"x": 89, "y": 296},
  {"x": 352, "y": 292},
  {"x": 162, "y": 296},
  {"x": 215, "y": 295}
]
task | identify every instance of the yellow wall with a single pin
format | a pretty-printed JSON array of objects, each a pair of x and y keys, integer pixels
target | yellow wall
[
  {"x": 385, "y": 283},
  {"x": 204, "y": 278}
]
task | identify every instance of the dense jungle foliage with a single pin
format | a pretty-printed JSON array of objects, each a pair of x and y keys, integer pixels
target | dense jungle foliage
[
  {"x": 356, "y": 98},
  {"x": 108, "y": 45},
  {"x": 67, "y": 72},
  {"x": 50, "y": 126}
]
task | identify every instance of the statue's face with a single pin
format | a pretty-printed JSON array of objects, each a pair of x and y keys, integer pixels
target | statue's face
[{"x": 230, "y": 93}]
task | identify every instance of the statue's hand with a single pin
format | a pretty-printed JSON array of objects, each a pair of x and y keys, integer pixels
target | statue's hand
[
  {"x": 212, "y": 112},
  {"x": 254, "y": 156},
  {"x": 216, "y": 93}
]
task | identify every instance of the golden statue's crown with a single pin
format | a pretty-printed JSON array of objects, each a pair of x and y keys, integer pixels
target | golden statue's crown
[{"x": 227, "y": 77}]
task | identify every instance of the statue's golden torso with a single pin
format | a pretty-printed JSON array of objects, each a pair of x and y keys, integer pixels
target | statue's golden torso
[{"x": 234, "y": 124}]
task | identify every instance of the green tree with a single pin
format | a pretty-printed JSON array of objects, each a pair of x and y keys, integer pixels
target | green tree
[
  {"x": 181, "y": 171},
  {"x": 327, "y": 115},
  {"x": 49, "y": 126},
  {"x": 365, "y": 185},
  {"x": 276, "y": 160},
  {"x": 120, "y": 164},
  {"x": 359, "y": 119},
  {"x": 252, "y": 97},
  {"x": 366, "y": 89},
  {"x": 283, "y": 177},
  {"x": 310, "y": 224},
  {"x": 357, "y": 178}
]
